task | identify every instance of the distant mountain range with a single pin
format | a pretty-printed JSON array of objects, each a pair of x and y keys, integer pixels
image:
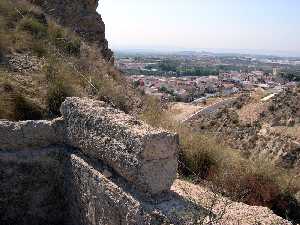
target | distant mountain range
[{"x": 212, "y": 52}]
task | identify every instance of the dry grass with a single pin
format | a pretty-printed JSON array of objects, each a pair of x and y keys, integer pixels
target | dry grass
[
  {"x": 32, "y": 25},
  {"x": 64, "y": 40},
  {"x": 250, "y": 113},
  {"x": 288, "y": 131},
  {"x": 14, "y": 105},
  {"x": 180, "y": 111}
]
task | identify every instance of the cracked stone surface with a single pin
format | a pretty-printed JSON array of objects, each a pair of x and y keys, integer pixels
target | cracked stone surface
[
  {"x": 30, "y": 134},
  {"x": 144, "y": 156}
]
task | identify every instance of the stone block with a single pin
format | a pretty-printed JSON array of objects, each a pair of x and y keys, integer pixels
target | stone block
[
  {"x": 144, "y": 156},
  {"x": 30, "y": 134}
]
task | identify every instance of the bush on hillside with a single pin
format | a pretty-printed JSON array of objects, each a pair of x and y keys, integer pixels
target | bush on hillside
[
  {"x": 14, "y": 106},
  {"x": 152, "y": 113},
  {"x": 13, "y": 103},
  {"x": 2, "y": 48},
  {"x": 198, "y": 156},
  {"x": 6, "y": 8},
  {"x": 15, "y": 11},
  {"x": 109, "y": 91},
  {"x": 5, "y": 41},
  {"x": 57, "y": 92},
  {"x": 39, "y": 48},
  {"x": 26, "y": 109},
  {"x": 72, "y": 46},
  {"x": 258, "y": 187},
  {"x": 34, "y": 26},
  {"x": 287, "y": 207},
  {"x": 65, "y": 41},
  {"x": 6, "y": 107},
  {"x": 252, "y": 182}
]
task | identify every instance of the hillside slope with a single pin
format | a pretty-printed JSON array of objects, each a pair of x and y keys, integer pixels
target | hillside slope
[{"x": 44, "y": 59}]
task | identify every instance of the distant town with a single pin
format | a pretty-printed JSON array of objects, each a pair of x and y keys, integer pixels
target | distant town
[{"x": 197, "y": 76}]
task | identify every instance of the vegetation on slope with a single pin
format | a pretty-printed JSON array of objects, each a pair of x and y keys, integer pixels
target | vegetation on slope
[
  {"x": 205, "y": 159},
  {"x": 69, "y": 67}
]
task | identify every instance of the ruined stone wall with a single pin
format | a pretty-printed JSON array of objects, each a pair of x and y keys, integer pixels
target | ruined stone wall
[
  {"x": 95, "y": 199},
  {"x": 31, "y": 134},
  {"x": 31, "y": 187},
  {"x": 144, "y": 156},
  {"x": 117, "y": 164}
]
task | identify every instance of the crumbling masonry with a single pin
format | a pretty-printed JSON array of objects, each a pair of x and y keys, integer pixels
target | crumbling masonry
[{"x": 95, "y": 165}]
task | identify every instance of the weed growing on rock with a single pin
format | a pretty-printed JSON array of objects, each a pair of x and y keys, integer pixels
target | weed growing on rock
[
  {"x": 58, "y": 91},
  {"x": 13, "y": 104}
]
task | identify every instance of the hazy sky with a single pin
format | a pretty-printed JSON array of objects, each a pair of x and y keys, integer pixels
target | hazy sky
[{"x": 272, "y": 25}]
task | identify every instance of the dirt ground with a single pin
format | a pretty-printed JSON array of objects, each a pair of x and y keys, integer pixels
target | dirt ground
[{"x": 179, "y": 110}]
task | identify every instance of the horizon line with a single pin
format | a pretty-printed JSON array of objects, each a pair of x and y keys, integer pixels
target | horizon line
[{"x": 285, "y": 54}]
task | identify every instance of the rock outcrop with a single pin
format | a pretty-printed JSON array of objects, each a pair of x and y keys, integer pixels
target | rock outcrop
[{"x": 82, "y": 18}]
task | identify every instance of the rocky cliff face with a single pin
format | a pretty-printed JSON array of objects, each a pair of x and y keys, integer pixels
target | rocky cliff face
[{"x": 82, "y": 18}]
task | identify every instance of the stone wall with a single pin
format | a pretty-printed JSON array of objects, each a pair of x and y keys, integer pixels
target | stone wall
[
  {"x": 44, "y": 180},
  {"x": 94, "y": 199},
  {"x": 31, "y": 187},
  {"x": 144, "y": 156},
  {"x": 31, "y": 134}
]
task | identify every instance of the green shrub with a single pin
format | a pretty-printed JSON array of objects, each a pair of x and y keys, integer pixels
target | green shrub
[
  {"x": 287, "y": 206},
  {"x": 63, "y": 40},
  {"x": 5, "y": 39},
  {"x": 152, "y": 113},
  {"x": 57, "y": 92},
  {"x": 3, "y": 47},
  {"x": 198, "y": 155},
  {"x": 51, "y": 70},
  {"x": 13, "y": 103},
  {"x": 72, "y": 46},
  {"x": 258, "y": 186},
  {"x": 109, "y": 91},
  {"x": 35, "y": 27},
  {"x": 6, "y": 8},
  {"x": 14, "y": 106},
  {"x": 25, "y": 109},
  {"x": 21, "y": 41},
  {"x": 56, "y": 33},
  {"x": 6, "y": 107}
]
